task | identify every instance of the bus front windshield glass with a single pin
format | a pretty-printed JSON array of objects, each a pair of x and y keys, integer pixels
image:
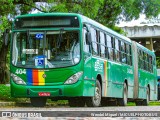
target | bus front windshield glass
[{"x": 45, "y": 49}]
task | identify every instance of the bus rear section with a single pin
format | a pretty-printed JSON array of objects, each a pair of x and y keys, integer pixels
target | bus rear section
[{"x": 145, "y": 72}]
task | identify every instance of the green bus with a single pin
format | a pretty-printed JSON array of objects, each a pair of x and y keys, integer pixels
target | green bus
[{"x": 67, "y": 56}]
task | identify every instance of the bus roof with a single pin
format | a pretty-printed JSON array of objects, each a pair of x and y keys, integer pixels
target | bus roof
[
  {"x": 47, "y": 14},
  {"x": 100, "y": 26}
]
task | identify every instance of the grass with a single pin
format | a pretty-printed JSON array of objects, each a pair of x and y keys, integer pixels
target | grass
[
  {"x": 5, "y": 95},
  {"x": 131, "y": 104},
  {"x": 154, "y": 103},
  {"x": 151, "y": 103}
]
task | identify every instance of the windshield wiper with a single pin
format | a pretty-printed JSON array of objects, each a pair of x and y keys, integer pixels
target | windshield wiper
[
  {"x": 60, "y": 38},
  {"x": 28, "y": 39}
]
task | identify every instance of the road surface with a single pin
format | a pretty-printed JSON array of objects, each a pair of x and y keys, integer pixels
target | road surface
[{"x": 81, "y": 113}]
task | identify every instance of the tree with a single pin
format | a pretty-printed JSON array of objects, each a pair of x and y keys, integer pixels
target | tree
[{"x": 107, "y": 12}]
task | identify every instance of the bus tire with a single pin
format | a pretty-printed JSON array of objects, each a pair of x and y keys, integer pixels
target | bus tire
[
  {"x": 123, "y": 101},
  {"x": 138, "y": 103},
  {"x": 95, "y": 101},
  {"x": 38, "y": 102},
  {"x": 76, "y": 102}
]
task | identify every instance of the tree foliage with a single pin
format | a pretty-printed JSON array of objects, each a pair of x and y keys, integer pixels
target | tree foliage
[{"x": 107, "y": 12}]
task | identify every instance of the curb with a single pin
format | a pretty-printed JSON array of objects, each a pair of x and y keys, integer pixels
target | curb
[
  {"x": 27, "y": 104},
  {"x": 9, "y": 104},
  {"x": 4, "y": 104}
]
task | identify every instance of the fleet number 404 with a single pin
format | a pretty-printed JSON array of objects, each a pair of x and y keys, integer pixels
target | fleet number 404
[{"x": 20, "y": 71}]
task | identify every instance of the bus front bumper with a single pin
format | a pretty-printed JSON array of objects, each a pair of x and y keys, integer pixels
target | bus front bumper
[{"x": 73, "y": 90}]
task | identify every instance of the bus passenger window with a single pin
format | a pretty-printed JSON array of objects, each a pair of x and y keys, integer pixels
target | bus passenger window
[
  {"x": 141, "y": 59},
  {"x": 98, "y": 41},
  {"x": 128, "y": 54},
  {"x": 113, "y": 47},
  {"x": 123, "y": 52},
  {"x": 148, "y": 62},
  {"x": 106, "y": 49},
  {"x": 109, "y": 46},
  {"x": 94, "y": 42},
  {"x": 151, "y": 64},
  {"x": 102, "y": 44},
  {"x": 117, "y": 50}
]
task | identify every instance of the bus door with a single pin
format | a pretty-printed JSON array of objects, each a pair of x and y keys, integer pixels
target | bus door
[
  {"x": 89, "y": 82},
  {"x": 87, "y": 56}
]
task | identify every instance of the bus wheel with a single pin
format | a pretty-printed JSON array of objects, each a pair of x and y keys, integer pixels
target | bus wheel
[
  {"x": 76, "y": 102},
  {"x": 38, "y": 102},
  {"x": 95, "y": 101},
  {"x": 123, "y": 101},
  {"x": 138, "y": 103}
]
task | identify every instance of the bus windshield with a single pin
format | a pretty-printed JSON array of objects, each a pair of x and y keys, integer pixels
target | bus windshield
[{"x": 45, "y": 49}]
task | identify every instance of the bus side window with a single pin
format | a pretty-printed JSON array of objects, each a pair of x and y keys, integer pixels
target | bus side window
[
  {"x": 117, "y": 50},
  {"x": 113, "y": 48},
  {"x": 123, "y": 52},
  {"x": 130, "y": 53},
  {"x": 148, "y": 62},
  {"x": 106, "y": 48},
  {"x": 109, "y": 47},
  {"x": 102, "y": 44},
  {"x": 86, "y": 45},
  {"x": 142, "y": 60},
  {"x": 120, "y": 51},
  {"x": 94, "y": 42},
  {"x": 152, "y": 63},
  {"x": 98, "y": 41}
]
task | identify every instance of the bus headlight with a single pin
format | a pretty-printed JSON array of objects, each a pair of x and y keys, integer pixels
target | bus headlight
[
  {"x": 17, "y": 79},
  {"x": 74, "y": 78}
]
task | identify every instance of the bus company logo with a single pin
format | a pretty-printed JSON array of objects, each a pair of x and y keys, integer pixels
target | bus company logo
[
  {"x": 44, "y": 76},
  {"x": 98, "y": 66}
]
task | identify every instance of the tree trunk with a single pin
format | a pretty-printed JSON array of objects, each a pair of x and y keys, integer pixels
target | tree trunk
[{"x": 3, "y": 61}]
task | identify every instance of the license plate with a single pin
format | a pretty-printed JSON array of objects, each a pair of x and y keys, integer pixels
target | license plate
[{"x": 44, "y": 94}]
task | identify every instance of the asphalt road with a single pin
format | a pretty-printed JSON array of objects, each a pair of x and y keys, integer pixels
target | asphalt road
[{"x": 67, "y": 108}]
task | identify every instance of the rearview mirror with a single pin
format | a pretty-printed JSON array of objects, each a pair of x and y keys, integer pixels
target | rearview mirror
[
  {"x": 6, "y": 37},
  {"x": 88, "y": 40}
]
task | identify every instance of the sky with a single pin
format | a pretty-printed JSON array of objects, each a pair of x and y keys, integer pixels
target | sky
[
  {"x": 133, "y": 22},
  {"x": 138, "y": 22}
]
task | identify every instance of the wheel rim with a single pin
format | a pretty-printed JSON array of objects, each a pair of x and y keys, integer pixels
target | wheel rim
[{"x": 97, "y": 97}]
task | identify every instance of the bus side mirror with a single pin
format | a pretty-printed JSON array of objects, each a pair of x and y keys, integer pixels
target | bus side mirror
[
  {"x": 6, "y": 37},
  {"x": 88, "y": 40}
]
